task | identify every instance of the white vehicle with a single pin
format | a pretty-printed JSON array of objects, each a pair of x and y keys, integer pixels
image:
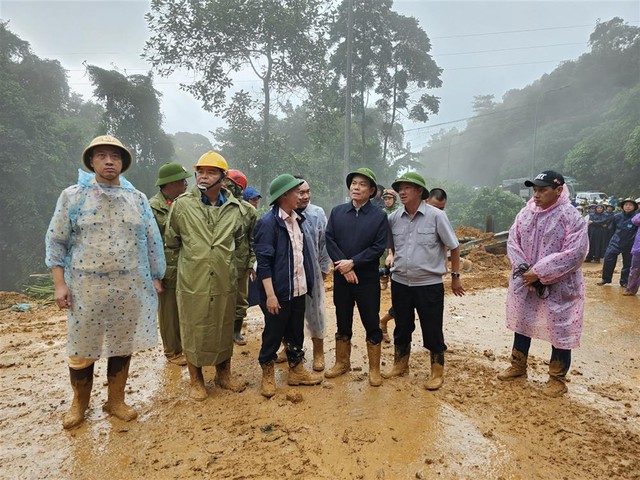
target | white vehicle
[{"x": 590, "y": 197}]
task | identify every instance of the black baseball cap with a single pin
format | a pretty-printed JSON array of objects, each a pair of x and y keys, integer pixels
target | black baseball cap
[{"x": 548, "y": 178}]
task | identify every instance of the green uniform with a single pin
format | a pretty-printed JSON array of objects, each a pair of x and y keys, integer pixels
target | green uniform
[
  {"x": 168, "y": 319},
  {"x": 245, "y": 257},
  {"x": 205, "y": 237}
]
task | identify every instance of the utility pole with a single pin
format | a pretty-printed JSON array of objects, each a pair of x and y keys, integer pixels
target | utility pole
[{"x": 347, "y": 106}]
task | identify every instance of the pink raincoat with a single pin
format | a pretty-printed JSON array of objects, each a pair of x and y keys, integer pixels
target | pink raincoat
[{"x": 555, "y": 242}]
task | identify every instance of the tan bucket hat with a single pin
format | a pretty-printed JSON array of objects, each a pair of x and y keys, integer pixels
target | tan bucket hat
[{"x": 109, "y": 141}]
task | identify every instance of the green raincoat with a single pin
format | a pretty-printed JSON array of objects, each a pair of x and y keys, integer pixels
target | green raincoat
[
  {"x": 205, "y": 238},
  {"x": 245, "y": 257}
]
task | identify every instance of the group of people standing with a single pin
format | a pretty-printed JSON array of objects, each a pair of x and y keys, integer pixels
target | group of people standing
[{"x": 120, "y": 261}]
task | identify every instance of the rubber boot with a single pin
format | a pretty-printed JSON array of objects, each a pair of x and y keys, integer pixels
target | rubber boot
[
  {"x": 177, "y": 359},
  {"x": 223, "y": 378},
  {"x": 437, "y": 372},
  {"x": 401, "y": 356},
  {"x": 117, "y": 374},
  {"x": 383, "y": 326},
  {"x": 343, "y": 358},
  {"x": 268, "y": 389},
  {"x": 318, "y": 354},
  {"x": 555, "y": 386},
  {"x": 518, "y": 366},
  {"x": 384, "y": 282},
  {"x": 298, "y": 375},
  {"x": 237, "y": 333},
  {"x": 197, "y": 391},
  {"x": 282, "y": 354},
  {"x": 81, "y": 383},
  {"x": 373, "y": 352}
]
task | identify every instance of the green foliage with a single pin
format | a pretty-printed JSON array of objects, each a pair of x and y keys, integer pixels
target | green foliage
[
  {"x": 502, "y": 206},
  {"x": 189, "y": 147}
]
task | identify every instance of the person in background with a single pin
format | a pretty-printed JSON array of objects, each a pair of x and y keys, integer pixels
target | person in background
[
  {"x": 620, "y": 243},
  {"x": 204, "y": 227},
  {"x": 286, "y": 274},
  {"x": 390, "y": 199},
  {"x": 419, "y": 234},
  {"x": 105, "y": 252},
  {"x": 356, "y": 237},
  {"x": 314, "y": 228},
  {"x": 634, "y": 272},
  {"x": 547, "y": 244},
  {"x": 437, "y": 198},
  {"x": 172, "y": 180},
  {"x": 252, "y": 196},
  {"x": 377, "y": 199},
  {"x": 598, "y": 226}
]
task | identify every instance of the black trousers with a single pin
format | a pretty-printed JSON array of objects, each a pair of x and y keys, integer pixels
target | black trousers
[
  {"x": 288, "y": 324},
  {"x": 609, "y": 264},
  {"x": 522, "y": 344},
  {"x": 428, "y": 301},
  {"x": 366, "y": 295}
]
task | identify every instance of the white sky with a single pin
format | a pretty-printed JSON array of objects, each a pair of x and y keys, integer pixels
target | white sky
[{"x": 484, "y": 48}]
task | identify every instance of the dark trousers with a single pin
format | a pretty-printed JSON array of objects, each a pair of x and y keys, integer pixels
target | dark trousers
[
  {"x": 288, "y": 324},
  {"x": 366, "y": 295},
  {"x": 522, "y": 344},
  {"x": 428, "y": 301},
  {"x": 609, "y": 264}
]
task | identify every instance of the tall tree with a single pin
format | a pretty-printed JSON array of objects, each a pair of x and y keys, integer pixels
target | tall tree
[
  {"x": 280, "y": 41},
  {"x": 132, "y": 113}
]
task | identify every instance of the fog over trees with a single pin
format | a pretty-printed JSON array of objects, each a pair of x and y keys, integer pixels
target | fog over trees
[{"x": 582, "y": 118}]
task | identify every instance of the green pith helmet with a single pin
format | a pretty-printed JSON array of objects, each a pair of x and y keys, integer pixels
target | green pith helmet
[
  {"x": 281, "y": 185},
  {"x": 365, "y": 172},
  {"x": 416, "y": 179},
  {"x": 171, "y": 172},
  {"x": 107, "y": 141}
]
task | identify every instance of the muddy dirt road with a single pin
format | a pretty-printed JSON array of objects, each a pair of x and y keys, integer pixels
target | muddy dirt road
[{"x": 474, "y": 427}]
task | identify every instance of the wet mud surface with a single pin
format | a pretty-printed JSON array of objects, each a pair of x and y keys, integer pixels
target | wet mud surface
[{"x": 473, "y": 427}]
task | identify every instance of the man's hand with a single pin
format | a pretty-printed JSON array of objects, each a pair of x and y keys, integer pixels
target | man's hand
[
  {"x": 529, "y": 278},
  {"x": 252, "y": 274},
  {"x": 456, "y": 287},
  {"x": 273, "y": 306},
  {"x": 351, "y": 277},
  {"x": 344, "y": 266},
  {"x": 157, "y": 284},
  {"x": 388, "y": 262},
  {"x": 62, "y": 295}
]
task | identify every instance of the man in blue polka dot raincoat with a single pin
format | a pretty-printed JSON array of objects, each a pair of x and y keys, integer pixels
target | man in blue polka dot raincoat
[{"x": 106, "y": 255}]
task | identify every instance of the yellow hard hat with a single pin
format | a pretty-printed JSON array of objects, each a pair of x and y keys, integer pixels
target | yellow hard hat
[
  {"x": 212, "y": 159},
  {"x": 106, "y": 140}
]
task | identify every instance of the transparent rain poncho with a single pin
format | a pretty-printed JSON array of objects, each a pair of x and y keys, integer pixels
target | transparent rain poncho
[{"x": 108, "y": 242}]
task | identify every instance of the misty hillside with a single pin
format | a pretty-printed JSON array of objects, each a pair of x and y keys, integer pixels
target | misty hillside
[{"x": 584, "y": 117}]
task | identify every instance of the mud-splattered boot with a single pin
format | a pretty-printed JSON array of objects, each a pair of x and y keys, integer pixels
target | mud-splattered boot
[
  {"x": 197, "y": 390},
  {"x": 268, "y": 388},
  {"x": 518, "y": 367},
  {"x": 282, "y": 354},
  {"x": 343, "y": 358},
  {"x": 373, "y": 352},
  {"x": 117, "y": 374},
  {"x": 298, "y": 375},
  {"x": 401, "y": 356},
  {"x": 384, "y": 282},
  {"x": 437, "y": 372},
  {"x": 555, "y": 386},
  {"x": 237, "y": 333},
  {"x": 318, "y": 354},
  {"x": 384, "y": 321},
  {"x": 81, "y": 383},
  {"x": 223, "y": 378}
]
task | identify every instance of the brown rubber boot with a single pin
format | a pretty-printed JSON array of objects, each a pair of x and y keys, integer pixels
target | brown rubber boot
[
  {"x": 437, "y": 372},
  {"x": 518, "y": 366},
  {"x": 383, "y": 326},
  {"x": 197, "y": 391},
  {"x": 373, "y": 352},
  {"x": 555, "y": 386},
  {"x": 318, "y": 354},
  {"x": 81, "y": 383},
  {"x": 343, "y": 358},
  {"x": 268, "y": 389},
  {"x": 223, "y": 378},
  {"x": 384, "y": 282},
  {"x": 401, "y": 356},
  {"x": 117, "y": 374},
  {"x": 237, "y": 333},
  {"x": 298, "y": 375}
]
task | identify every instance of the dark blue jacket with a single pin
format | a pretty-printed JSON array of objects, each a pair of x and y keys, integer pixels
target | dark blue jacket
[
  {"x": 359, "y": 236},
  {"x": 625, "y": 232},
  {"x": 274, "y": 253}
]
